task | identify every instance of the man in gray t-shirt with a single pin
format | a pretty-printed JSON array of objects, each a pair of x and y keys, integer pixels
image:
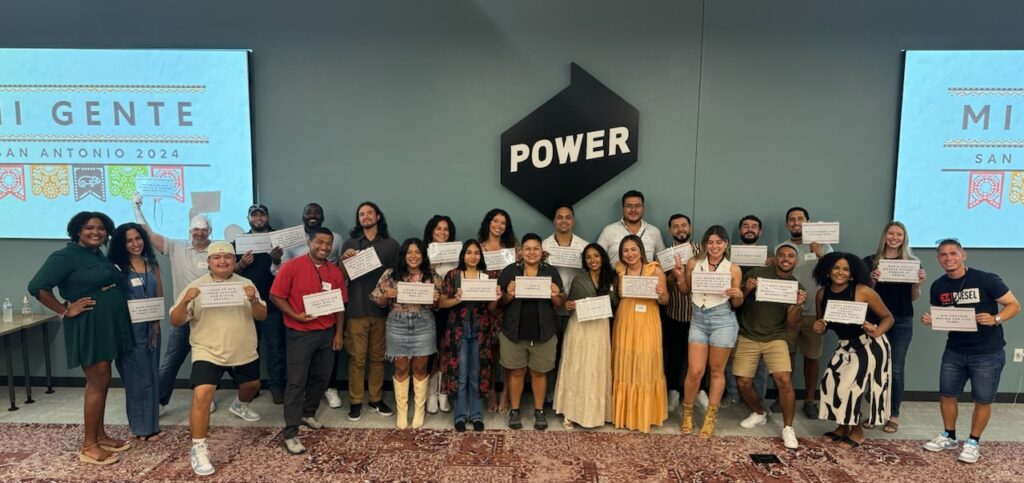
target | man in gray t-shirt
[
  {"x": 805, "y": 338},
  {"x": 188, "y": 262}
]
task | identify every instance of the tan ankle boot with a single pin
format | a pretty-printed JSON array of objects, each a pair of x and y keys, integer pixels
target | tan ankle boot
[
  {"x": 401, "y": 402},
  {"x": 419, "y": 389},
  {"x": 687, "y": 426},
  {"x": 709, "y": 422}
]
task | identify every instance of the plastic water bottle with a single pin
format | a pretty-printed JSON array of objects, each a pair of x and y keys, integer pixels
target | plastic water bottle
[
  {"x": 26, "y": 308},
  {"x": 8, "y": 311}
]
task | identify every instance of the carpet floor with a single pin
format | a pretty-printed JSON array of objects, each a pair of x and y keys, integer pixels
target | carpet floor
[{"x": 49, "y": 452}]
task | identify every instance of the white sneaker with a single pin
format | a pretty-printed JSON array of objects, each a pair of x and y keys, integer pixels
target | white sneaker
[
  {"x": 443, "y": 404},
  {"x": 242, "y": 410},
  {"x": 673, "y": 400},
  {"x": 333, "y": 399},
  {"x": 941, "y": 442},
  {"x": 312, "y": 423},
  {"x": 200, "y": 456},
  {"x": 754, "y": 420},
  {"x": 971, "y": 452},
  {"x": 432, "y": 406},
  {"x": 294, "y": 446},
  {"x": 789, "y": 438},
  {"x": 213, "y": 406},
  {"x": 702, "y": 399}
]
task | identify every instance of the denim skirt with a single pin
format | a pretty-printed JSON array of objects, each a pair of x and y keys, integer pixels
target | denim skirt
[{"x": 411, "y": 334}]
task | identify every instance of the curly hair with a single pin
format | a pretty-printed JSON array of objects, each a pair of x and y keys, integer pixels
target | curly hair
[{"x": 858, "y": 271}]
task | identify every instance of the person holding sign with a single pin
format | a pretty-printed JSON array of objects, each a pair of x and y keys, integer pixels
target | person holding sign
[
  {"x": 365, "y": 336},
  {"x": 899, "y": 297},
  {"x": 259, "y": 267},
  {"x": 223, "y": 339},
  {"x": 861, "y": 367},
  {"x": 97, "y": 327},
  {"x": 439, "y": 229},
  {"x": 467, "y": 356},
  {"x": 804, "y": 338},
  {"x": 312, "y": 218},
  {"x": 527, "y": 339},
  {"x": 638, "y": 376},
  {"x": 675, "y": 321},
  {"x": 762, "y": 335},
  {"x": 496, "y": 233},
  {"x": 713, "y": 329},
  {"x": 562, "y": 241},
  {"x": 132, "y": 252},
  {"x": 188, "y": 262},
  {"x": 312, "y": 339},
  {"x": 583, "y": 392},
  {"x": 411, "y": 337},
  {"x": 976, "y": 356}
]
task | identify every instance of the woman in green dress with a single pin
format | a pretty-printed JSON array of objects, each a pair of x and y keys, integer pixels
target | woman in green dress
[{"x": 97, "y": 326}]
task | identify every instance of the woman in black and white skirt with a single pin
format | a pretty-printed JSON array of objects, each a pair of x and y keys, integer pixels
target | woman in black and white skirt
[{"x": 861, "y": 369}]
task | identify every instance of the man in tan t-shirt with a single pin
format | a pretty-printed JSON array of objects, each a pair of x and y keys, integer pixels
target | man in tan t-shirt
[{"x": 223, "y": 339}]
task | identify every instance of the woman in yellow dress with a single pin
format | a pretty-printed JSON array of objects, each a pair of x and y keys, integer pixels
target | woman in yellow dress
[{"x": 638, "y": 384}]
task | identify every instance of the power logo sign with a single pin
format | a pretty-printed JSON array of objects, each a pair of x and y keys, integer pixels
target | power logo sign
[{"x": 571, "y": 145}]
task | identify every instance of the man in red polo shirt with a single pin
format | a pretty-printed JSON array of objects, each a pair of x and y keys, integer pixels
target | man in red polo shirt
[{"x": 311, "y": 340}]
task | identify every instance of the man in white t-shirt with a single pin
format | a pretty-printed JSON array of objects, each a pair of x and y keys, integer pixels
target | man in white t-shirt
[{"x": 632, "y": 223}]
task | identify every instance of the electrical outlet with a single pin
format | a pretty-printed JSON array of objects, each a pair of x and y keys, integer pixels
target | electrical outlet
[{"x": 1018, "y": 355}]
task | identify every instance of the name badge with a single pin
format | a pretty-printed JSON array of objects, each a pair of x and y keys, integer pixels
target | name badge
[
  {"x": 136, "y": 282},
  {"x": 810, "y": 256},
  {"x": 201, "y": 265},
  {"x": 640, "y": 308},
  {"x": 325, "y": 286}
]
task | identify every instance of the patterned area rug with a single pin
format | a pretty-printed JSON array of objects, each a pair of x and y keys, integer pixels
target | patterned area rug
[{"x": 49, "y": 452}]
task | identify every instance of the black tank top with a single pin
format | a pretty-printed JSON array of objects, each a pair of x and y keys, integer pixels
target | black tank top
[{"x": 848, "y": 332}]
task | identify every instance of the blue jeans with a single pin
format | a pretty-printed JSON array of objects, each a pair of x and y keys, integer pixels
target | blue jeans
[
  {"x": 468, "y": 398},
  {"x": 899, "y": 340},
  {"x": 270, "y": 335},
  {"x": 139, "y": 371},
  {"x": 178, "y": 349},
  {"x": 982, "y": 369}
]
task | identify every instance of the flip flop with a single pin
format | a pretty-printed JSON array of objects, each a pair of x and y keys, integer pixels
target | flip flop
[
  {"x": 850, "y": 442},
  {"x": 124, "y": 446},
  {"x": 157, "y": 436},
  {"x": 833, "y": 436},
  {"x": 84, "y": 458},
  {"x": 891, "y": 426}
]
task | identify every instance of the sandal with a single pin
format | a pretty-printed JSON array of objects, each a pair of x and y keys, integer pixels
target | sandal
[
  {"x": 891, "y": 426},
  {"x": 567, "y": 424},
  {"x": 503, "y": 402},
  {"x": 85, "y": 458},
  {"x": 867, "y": 425},
  {"x": 833, "y": 436},
  {"x": 492, "y": 403},
  {"x": 850, "y": 442},
  {"x": 157, "y": 436},
  {"x": 115, "y": 446}
]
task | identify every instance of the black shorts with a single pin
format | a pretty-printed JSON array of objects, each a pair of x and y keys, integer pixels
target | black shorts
[{"x": 204, "y": 372}]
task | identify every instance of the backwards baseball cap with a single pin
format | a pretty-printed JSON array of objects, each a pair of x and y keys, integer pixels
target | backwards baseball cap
[
  {"x": 219, "y": 247},
  {"x": 259, "y": 207},
  {"x": 787, "y": 244}
]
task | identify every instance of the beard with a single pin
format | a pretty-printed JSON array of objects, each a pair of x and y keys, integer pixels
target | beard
[
  {"x": 749, "y": 238},
  {"x": 681, "y": 239},
  {"x": 796, "y": 234}
]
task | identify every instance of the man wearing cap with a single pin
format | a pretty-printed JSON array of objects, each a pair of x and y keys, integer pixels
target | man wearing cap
[
  {"x": 270, "y": 333},
  {"x": 762, "y": 333},
  {"x": 188, "y": 262},
  {"x": 312, "y": 340},
  {"x": 223, "y": 339}
]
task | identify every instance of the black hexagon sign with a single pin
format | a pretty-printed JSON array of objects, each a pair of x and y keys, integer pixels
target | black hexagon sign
[{"x": 571, "y": 145}]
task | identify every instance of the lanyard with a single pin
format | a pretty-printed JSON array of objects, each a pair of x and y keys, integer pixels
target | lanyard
[
  {"x": 317, "y": 270},
  {"x": 141, "y": 276}
]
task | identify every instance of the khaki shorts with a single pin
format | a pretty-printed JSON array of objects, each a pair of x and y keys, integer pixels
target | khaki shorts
[
  {"x": 538, "y": 356},
  {"x": 748, "y": 353},
  {"x": 805, "y": 339}
]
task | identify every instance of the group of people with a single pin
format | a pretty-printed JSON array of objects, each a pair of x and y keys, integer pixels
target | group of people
[{"x": 671, "y": 347}]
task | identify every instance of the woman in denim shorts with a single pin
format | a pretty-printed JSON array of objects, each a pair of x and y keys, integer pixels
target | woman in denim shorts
[
  {"x": 713, "y": 326},
  {"x": 411, "y": 338}
]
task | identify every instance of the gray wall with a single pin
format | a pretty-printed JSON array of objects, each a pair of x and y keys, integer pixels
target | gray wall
[{"x": 746, "y": 106}]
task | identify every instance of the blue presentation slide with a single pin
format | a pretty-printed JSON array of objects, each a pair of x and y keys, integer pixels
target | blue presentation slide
[
  {"x": 960, "y": 167},
  {"x": 89, "y": 130}
]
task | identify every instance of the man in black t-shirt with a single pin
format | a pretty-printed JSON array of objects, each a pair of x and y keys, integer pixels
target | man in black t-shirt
[
  {"x": 977, "y": 356},
  {"x": 528, "y": 340}
]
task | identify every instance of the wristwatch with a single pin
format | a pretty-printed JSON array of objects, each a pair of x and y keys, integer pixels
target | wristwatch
[{"x": 999, "y": 320}]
